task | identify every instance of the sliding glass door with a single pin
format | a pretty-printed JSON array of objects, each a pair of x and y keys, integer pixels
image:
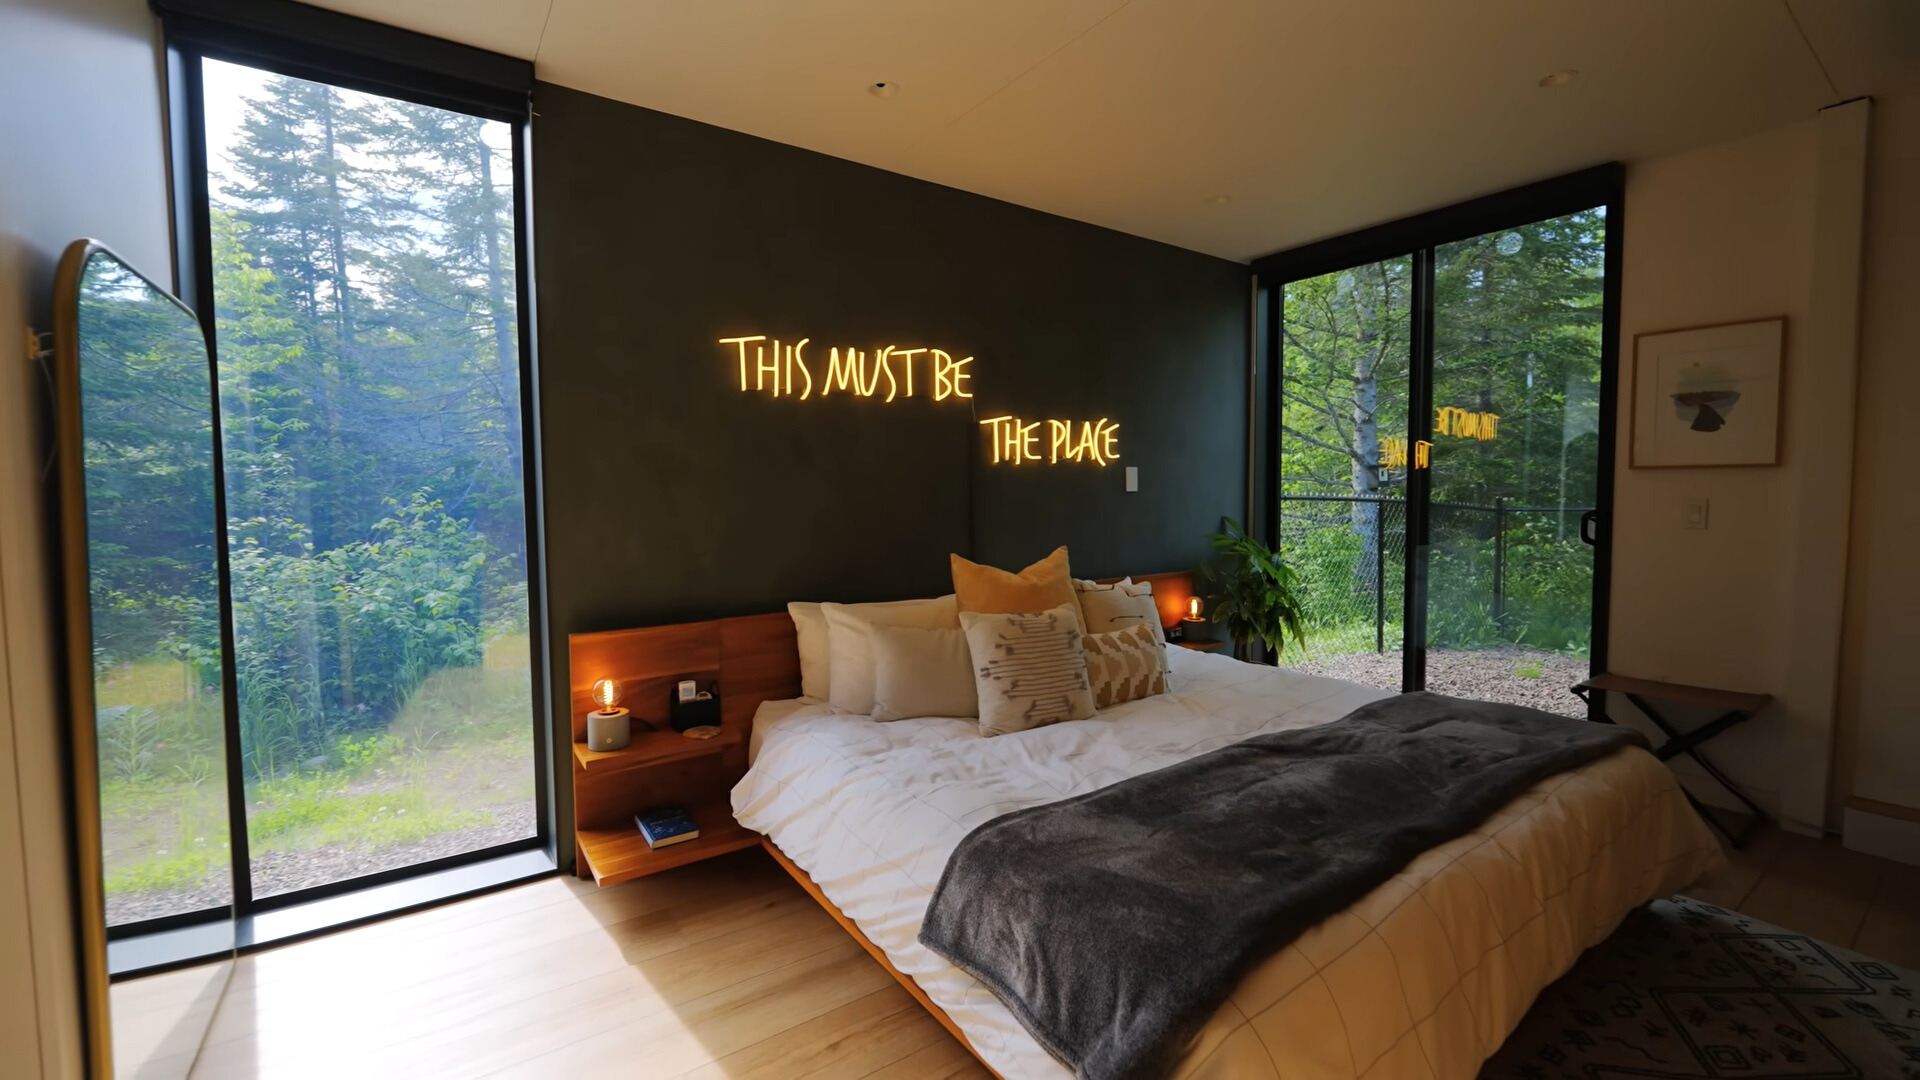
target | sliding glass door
[
  {"x": 1514, "y": 461},
  {"x": 1442, "y": 450},
  {"x": 1343, "y": 462}
]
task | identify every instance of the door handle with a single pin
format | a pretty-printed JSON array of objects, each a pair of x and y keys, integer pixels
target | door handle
[{"x": 1590, "y": 528}]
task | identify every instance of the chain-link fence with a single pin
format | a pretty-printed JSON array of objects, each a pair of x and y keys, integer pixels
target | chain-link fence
[{"x": 1496, "y": 574}]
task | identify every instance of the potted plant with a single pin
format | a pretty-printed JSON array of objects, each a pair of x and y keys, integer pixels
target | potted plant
[{"x": 1255, "y": 595}]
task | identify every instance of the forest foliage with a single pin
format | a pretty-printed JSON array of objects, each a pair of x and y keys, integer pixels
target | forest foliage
[
  {"x": 1516, "y": 335},
  {"x": 368, "y": 384}
]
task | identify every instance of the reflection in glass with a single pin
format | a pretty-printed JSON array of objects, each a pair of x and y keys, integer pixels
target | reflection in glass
[
  {"x": 1343, "y": 465},
  {"x": 147, "y": 409},
  {"x": 1517, "y": 319},
  {"x": 364, "y": 291}
]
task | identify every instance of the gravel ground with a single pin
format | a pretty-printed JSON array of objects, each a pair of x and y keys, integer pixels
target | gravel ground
[
  {"x": 276, "y": 872},
  {"x": 133, "y": 907},
  {"x": 1488, "y": 674}
]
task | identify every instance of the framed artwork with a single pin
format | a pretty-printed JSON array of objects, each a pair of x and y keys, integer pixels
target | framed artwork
[{"x": 1707, "y": 396}]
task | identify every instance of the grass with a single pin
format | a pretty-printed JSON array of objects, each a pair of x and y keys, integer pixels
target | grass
[
  {"x": 460, "y": 745},
  {"x": 1327, "y": 641},
  {"x": 300, "y": 812}
]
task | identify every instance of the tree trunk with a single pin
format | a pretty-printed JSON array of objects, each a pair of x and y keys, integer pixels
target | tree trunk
[
  {"x": 506, "y": 350},
  {"x": 1364, "y": 462}
]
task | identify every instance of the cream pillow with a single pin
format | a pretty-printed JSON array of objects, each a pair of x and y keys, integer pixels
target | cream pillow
[
  {"x": 920, "y": 672},
  {"x": 1125, "y": 665},
  {"x": 1043, "y": 586},
  {"x": 1106, "y": 608},
  {"x": 1029, "y": 670},
  {"x": 851, "y": 646},
  {"x": 816, "y": 662}
]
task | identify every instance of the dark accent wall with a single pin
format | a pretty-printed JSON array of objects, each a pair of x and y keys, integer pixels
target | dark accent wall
[{"x": 672, "y": 496}]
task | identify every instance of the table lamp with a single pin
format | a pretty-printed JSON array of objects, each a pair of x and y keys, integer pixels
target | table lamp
[{"x": 609, "y": 727}]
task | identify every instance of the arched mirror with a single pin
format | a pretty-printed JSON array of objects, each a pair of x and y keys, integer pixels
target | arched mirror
[{"x": 148, "y": 684}]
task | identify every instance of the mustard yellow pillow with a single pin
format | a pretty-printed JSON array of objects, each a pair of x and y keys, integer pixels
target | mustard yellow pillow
[{"x": 1043, "y": 586}]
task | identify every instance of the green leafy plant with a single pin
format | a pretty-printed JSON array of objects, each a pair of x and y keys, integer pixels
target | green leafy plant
[
  {"x": 1532, "y": 669},
  {"x": 129, "y": 736},
  {"x": 1255, "y": 595}
]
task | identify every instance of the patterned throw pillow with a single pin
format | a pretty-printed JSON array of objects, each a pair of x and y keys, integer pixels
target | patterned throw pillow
[
  {"x": 1118, "y": 605},
  {"x": 1125, "y": 665},
  {"x": 1030, "y": 670}
]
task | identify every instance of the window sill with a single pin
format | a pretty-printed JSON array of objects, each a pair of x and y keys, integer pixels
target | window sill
[{"x": 146, "y": 954}]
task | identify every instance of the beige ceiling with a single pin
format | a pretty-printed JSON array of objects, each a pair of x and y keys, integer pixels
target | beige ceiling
[{"x": 1315, "y": 116}]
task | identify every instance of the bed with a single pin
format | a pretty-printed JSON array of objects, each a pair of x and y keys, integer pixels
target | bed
[{"x": 1425, "y": 977}]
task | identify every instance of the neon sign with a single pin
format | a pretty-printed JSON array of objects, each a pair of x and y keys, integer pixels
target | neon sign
[
  {"x": 1393, "y": 453},
  {"x": 766, "y": 365},
  {"x": 771, "y": 367},
  {"x": 1015, "y": 440},
  {"x": 1484, "y": 426}
]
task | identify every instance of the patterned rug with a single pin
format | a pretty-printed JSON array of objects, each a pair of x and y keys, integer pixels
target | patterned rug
[{"x": 1685, "y": 990}]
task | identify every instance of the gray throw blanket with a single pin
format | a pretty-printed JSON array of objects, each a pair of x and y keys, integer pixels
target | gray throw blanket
[{"x": 1115, "y": 923}]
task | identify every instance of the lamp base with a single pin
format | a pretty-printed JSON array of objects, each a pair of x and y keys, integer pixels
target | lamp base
[{"x": 610, "y": 730}]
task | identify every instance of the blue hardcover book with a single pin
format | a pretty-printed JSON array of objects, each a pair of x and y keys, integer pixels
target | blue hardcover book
[{"x": 668, "y": 825}]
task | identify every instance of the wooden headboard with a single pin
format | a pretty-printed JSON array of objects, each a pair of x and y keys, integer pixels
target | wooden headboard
[
  {"x": 752, "y": 658},
  {"x": 1170, "y": 593}
]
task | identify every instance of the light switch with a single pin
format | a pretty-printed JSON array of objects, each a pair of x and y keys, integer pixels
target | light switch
[
  {"x": 1133, "y": 478},
  {"x": 1696, "y": 511}
]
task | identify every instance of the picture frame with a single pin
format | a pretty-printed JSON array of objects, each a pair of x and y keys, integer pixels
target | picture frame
[{"x": 1708, "y": 396}]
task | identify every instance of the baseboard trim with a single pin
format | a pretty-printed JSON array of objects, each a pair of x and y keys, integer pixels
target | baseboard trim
[{"x": 1889, "y": 835}]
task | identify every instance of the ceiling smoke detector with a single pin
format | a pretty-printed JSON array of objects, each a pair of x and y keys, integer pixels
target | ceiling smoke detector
[
  {"x": 1218, "y": 200},
  {"x": 1559, "y": 78},
  {"x": 883, "y": 89}
]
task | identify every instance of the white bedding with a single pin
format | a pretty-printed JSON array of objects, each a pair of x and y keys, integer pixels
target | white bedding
[{"x": 1423, "y": 978}]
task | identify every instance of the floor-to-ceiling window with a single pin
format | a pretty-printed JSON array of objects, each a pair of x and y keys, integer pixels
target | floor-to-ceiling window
[
  {"x": 1441, "y": 452},
  {"x": 364, "y": 327},
  {"x": 355, "y": 251}
]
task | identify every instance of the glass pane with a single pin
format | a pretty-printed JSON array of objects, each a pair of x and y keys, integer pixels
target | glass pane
[
  {"x": 147, "y": 418},
  {"x": 1343, "y": 465},
  {"x": 1515, "y": 461},
  {"x": 370, "y": 385}
]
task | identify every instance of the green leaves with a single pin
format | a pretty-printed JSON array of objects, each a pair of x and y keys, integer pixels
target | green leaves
[{"x": 1256, "y": 595}]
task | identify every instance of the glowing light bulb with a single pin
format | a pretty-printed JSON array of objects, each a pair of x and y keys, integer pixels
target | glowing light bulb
[
  {"x": 606, "y": 694},
  {"x": 1194, "y": 607}
]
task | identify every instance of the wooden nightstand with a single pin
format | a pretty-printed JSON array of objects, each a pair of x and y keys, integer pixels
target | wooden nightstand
[
  {"x": 747, "y": 661},
  {"x": 658, "y": 768},
  {"x": 1199, "y": 646}
]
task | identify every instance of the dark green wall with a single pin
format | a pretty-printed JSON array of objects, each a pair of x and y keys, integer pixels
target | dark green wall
[{"x": 672, "y": 496}]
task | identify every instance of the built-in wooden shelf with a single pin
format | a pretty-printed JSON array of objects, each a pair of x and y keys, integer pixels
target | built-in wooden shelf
[
  {"x": 650, "y": 748},
  {"x": 621, "y": 854},
  {"x": 744, "y": 661}
]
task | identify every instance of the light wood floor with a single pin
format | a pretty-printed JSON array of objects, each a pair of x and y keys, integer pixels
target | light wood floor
[{"x": 720, "y": 971}]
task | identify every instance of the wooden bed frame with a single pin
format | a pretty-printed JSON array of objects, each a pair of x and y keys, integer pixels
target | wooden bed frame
[{"x": 750, "y": 660}]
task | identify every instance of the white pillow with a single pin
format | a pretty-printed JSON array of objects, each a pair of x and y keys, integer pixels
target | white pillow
[
  {"x": 1125, "y": 603},
  {"x": 920, "y": 672},
  {"x": 810, "y": 626},
  {"x": 851, "y": 648}
]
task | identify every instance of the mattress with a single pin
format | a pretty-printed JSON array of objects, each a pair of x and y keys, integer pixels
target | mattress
[{"x": 1425, "y": 977}]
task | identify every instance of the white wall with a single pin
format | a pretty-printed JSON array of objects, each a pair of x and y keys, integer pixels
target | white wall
[
  {"x": 1716, "y": 235},
  {"x": 1763, "y": 226},
  {"x": 1879, "y": 753},
  {"x": 81, "y": 123}
]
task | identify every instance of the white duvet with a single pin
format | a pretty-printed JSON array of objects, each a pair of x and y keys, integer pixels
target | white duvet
[{"x": 1423, "y": 978}]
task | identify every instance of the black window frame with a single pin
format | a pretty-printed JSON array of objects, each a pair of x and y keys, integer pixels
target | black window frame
[
  {"x": 1418, "y": 237},
  {"x": 356, "y": 54}
]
